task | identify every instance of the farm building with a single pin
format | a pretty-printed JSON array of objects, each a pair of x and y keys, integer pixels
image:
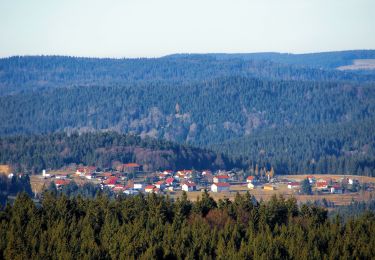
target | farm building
[
  {"x": 250, "y": 179},
  {"x": 149, "y": 188},
  {"x": 220, "y": 179},
  {"x": 189, "y": 186},
  {"x": 219, "y": 187}
]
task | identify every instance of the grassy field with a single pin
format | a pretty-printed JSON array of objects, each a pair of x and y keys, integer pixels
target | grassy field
[{"x": 360, "y": 64}]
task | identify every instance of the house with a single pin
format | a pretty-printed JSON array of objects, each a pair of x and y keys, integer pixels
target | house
[
  {"x": 170, "y": 181},
  {"x": 250, "y": 185},
  {"x": 160, "y": 185},
  {"x": 131, "y": 192},
  {"x": 61, "y": 183},
  {"x": 90, "y": 176},
  {"x": 61, "y": 176},
  {"x": 189, "y": 186},
  {"x": 5, "y": 168},
  {"x": 168, "y": 172},
  {"x": 86, "y": 169},
  {"x": 250, "y": 179},
  {"x": 137, "y": 186},
  {"x": 46, "y": 175},
  {"x": 119, "y": 188},
  {"x": 220, "y": 179},
  {"x": 268, "y": 187},
  {"x": 220, "y": 186},
  {"x": 111, "y": 181},
  {"x": 129, "y": 167},
  {"x": 321, "y": 184},
  {"x": 149, "y": 188},
  {"x": 336, "y": 189},
  {"x": 311, "y": 179},
  {"x": 294, "y": 185},
  {"x": 206, "y": 172}
]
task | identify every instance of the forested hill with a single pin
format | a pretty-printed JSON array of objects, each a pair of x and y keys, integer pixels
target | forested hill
[
  {"x": 199, "y": 113},
  {"x": 342, "y": 148},
  {"x": 204, "y": 100},
  {"x": 19, "y": 74},
  {"x": 325, "y": 60},
  {"x": 37, "y": 152}
]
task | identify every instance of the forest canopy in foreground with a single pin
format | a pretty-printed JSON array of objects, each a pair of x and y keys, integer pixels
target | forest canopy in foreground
[{"x": 154, "y": 227}]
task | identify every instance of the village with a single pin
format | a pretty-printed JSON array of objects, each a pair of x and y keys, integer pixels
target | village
[{"x": 130, "y": 179}]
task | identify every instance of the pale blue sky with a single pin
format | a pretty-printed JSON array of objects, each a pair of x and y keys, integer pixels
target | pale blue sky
[{"x": 152, "y": 28}]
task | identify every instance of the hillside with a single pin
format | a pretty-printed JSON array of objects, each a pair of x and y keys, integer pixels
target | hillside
[
  {"x": 201, "y": 113},
  {"x": 225, "y": 101},
  {"x": 345, "y": 148},
  {"x": 37, "y": 152},
  {"x": 323, "y": 60},
  {"x": 30, "y": 73}
]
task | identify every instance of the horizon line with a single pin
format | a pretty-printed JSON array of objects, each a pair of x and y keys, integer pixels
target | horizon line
[{"x": 178, "y": 53}]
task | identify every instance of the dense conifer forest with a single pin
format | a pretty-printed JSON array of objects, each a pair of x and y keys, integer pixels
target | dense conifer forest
[
  {"x": 297, "y": 113},
  {"x": 155, "y": 227},
  {"x": 34, "y": 153}
]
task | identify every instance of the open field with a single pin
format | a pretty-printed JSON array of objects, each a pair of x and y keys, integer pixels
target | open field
[
  {"x": 360, "y": 64},
  {"x": 260, "y": 194},
  {"x": 300, "y": 177}
]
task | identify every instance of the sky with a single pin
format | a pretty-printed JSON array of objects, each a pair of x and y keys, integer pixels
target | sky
[{"x": 153, "y": 28}]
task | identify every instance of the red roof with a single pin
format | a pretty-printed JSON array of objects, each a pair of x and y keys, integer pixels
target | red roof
[
  {"x": 111, "y": 180},
  {"x": 169, "y": 180},
  {"x": 321, "y": 184},
  {"x": 250, "y": 178},
  {"x": 131, "y": 165},
  {"x": 160, "y": 183},
  {"x": 61, "y": 182},
  {"x": 222, "y": 176},
  {"x": 222, "y": 184},
  {"x": 149, "y": 187}
]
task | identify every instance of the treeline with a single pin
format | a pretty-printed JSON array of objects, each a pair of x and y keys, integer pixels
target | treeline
[
  {"x": 12, "y": 186},
  {"x": 51, "y": 151},
  {"x": 155, "y": 227},
  {"x": 346, "y": 148},
  {"x": 30, "y": 73},
  {"x": 326, "y": 60}
]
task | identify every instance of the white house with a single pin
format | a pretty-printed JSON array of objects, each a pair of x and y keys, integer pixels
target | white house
[
  {"x": 250, "y": 185},
  {"x": 336, "y": 189},
  {"x": 138, "y": 186},
  {"x": 189, "y": 186},
  {"x": 220, "y": 179},
  {"x": 219, "y": 187},
  {"x": 149, "y": 188},
  {"x": 46, "y": 175},
  {"x": 294, "y": 185},
  {"x": 250, "y": 179}
]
